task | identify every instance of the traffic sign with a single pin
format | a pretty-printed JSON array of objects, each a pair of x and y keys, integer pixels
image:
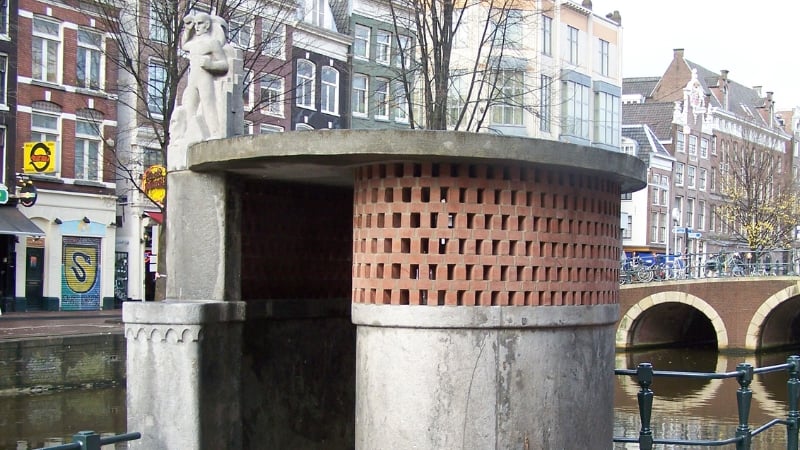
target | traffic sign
[
  {"x": 679, "y": 230},
  {"x": 694, "y": 235},
  {"x": 3, "y": 194}
]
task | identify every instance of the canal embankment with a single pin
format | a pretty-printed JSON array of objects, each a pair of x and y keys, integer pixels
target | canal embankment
[{"x": 43, "y": 351}]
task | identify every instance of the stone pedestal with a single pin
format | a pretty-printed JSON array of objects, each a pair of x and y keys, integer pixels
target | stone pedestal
[
  {"x": 184, "y": 364},
  {"x": 484, "y": 377}
]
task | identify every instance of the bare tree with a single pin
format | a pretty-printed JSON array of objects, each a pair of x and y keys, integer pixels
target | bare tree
[
  {"x": 760, "y": 206},
  {"x": 468, "y": 58}
]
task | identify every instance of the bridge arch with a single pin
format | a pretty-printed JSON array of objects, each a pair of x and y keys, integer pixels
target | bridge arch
[
  {"x": 630, "y": 317},
  {"x": 757, "y": 322}
]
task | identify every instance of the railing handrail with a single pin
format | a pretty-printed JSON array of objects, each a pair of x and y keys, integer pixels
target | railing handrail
[
  {"x": 89, "y": 440},
  {"x": 744, "y": 376}
]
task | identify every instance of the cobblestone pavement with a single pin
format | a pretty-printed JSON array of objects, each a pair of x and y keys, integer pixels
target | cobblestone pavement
[{"x": 35, "y": 324}]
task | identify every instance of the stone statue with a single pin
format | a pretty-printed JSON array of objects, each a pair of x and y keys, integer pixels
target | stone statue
[{"x": 210, "y": 106}]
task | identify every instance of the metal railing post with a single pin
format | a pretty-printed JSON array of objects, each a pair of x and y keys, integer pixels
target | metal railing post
[
  {"x": 89, "y": 440},
  {"x": 644, "y": 373},
  {"x": 744, "y": 397},
  {"x": 793, "y": 389}
]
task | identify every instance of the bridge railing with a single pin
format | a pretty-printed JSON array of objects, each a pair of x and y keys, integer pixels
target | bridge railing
[
  {"x": 647, "y": 267},
  {"x": 744, "y": 434},
  {"x": 89, "y": 440}
]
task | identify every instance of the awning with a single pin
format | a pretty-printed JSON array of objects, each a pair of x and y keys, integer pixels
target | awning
[
  {"x": 158, "y": 217},
  {"x": 12, "y": 221}
]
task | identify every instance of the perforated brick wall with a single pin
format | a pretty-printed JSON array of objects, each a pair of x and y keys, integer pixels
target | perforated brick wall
[{"x": 467, "y": 234}]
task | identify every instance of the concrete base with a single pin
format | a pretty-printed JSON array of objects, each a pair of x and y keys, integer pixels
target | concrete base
[
  {"x": 184, "y": 365},
  {"x": 484, "y": 377}
]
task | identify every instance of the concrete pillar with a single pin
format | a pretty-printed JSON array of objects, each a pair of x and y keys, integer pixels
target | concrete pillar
[
  {"x": 188, "y": 391},
  {"x": 184, "y": 363},
  {"x": 485, "y": 297},
  {"x": 484, "y": 377}
]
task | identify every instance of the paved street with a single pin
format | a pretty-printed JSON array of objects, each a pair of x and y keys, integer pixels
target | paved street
[{"x": 23, "y": 325}]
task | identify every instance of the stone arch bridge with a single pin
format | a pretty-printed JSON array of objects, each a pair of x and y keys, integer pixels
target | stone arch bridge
[{"x": 739, "y": 314}]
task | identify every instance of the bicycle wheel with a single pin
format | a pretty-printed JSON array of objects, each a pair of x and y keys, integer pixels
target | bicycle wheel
[{"x": 644, "y": 274}]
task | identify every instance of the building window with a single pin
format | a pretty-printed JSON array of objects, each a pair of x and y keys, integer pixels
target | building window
[
  {"x": 627, "y": 196},
  {"x": 360, "y": 87},
  {"x": 690, "y": 176},
  {"x": 4, "y": 25},
  {"x": 45, "y": 51},
  {"x": 274, "y": 40},
  {"x": 455, "y": 99},
  {"x": 272, "y": 95},
  {"x": 576, "y": 117},
  {"x": 303, "y": 127},
  {"x": 87, "y": 151},
  {"x": 89, "y": 53},
  {"x": 701, "y": 215},
  {"x": 607, "y": 119},
  {"x": 662, "y": 228},
  {"x": 689, "y": 213},
  {"x": 315, "y": 13},
  {"x": 361, "y": 42},
  {"x": 702, "y": 181},
  {"x": 3, "y": 79},
  {"x": 547, "y": 35},
  {"x": 545, "y": 103},
  {"x": 383, "y": 46},
  {"x": 704, "y": 148},
  {"x": 152, "y": 157},
  {"x": 305, "y": 83},
  {"x": 572, "y": 45},
  {"x": 241, "y": 32},
  {"x": 507, "y": 107},
  {"x": 627, "y": 233},
  {"x": 158, "y": 19},
  {"x": 680, "y": 142},
  {"x": 381, "y": 98},
  {"x": 654, "y": 191},
  {"x": 266, "y": 128},
  {"x": 679, "y": 174},
  {"x": 400, "y": 103},
  {"x": 330, "y": 90},
  {"x": 604, "y": 61},
  {"x": 654, "y": 226},
  {"x": 693, "y": 146},
  {"x": 403, "y": 51},
  {"x": 156, "y": 87}
]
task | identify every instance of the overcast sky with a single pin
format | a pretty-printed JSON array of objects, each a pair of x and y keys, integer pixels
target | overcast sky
[{"x": 755, "y": 41}]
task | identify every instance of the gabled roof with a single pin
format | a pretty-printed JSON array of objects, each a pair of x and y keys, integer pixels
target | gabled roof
[
  {"x": 743, "y": 101},
  {"x": 647, "y": 141},
  {"x": 639, "y": 85},
  {"x": 657, "y": 116}
]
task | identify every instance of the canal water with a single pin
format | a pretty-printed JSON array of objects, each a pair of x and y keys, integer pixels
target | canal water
[{"x": 683, "y": 409}]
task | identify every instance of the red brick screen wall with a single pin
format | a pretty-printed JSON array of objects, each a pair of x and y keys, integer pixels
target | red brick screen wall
[{"x": 467, "y": 234}]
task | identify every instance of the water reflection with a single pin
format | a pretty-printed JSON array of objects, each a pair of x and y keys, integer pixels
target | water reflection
[
  {"x": 684, "y": 409},
  {"x": 33, "y": 421},
  {"x": 701, "y": 409}
]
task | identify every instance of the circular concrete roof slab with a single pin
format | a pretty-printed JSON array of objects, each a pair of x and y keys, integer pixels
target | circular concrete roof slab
[{"x": 329, "y": 156}]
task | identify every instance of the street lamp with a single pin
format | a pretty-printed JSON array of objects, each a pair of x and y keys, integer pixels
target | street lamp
[{"x": 676, "y": 219}]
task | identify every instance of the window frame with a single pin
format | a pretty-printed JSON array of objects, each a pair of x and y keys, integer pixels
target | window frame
[
  {"x": 274, "y": 39},
  {"x": 383, "y": 49},
  {"x": 381, "y": 96},
  {"x": 607, "y": 118},
  {"x": 90, "y": 49},
  {"x": 360, "y": 96},
  {"x": 305, "y": 90},
  {"x": 154, "y": 84},
  {"x": 546, "y": 104},
  {"x": 573, "y": 38},
  {"x": 85, "y": 140},
  {"x": 273, "y": 86},
  {"x": 41, "y": 70},
  {"x": 547, "y": 35},
  {"x": 4, "y": 81},
  {"x": 576, "y": 110},
  {"x": 511, "y": 87},
  {"x": 604, "y": 50},
  {"x": 361, "y": 51},
  {"x": 327, "y": 88}
]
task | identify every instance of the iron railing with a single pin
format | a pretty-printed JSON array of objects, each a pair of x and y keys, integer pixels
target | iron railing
[
  {"x": 647, "y": 267},
  {"x": 89, "y": 440},
  {"x": 743, "y": 437}
]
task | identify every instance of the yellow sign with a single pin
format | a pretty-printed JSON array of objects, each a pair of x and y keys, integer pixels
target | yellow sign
[
  {"x": 80, "y": 267},
  {"x": 154, "y": 183},
  {"x": 39, "y": 157}
]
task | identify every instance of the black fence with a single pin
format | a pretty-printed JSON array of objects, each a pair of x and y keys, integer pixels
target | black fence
[
  {"x": 743, "y": 437},
  {"x": 648, "y": 267},
  {"x": 89, "y": 440}
]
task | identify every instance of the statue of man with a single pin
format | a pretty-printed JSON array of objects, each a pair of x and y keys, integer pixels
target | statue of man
[{"x": 207, "y": 62}]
